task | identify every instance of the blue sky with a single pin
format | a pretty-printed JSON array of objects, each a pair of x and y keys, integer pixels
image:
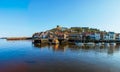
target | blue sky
[{"x": 24, "y": 17}]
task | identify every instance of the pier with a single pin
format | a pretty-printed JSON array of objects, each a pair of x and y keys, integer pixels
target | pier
[{"x": 18, "y": 38}]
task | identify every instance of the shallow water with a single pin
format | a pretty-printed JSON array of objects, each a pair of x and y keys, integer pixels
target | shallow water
[{"x": 23, "y": 56}]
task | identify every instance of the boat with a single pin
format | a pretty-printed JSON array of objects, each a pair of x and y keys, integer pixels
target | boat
[
  {"x": 90, "y": 44},
  {"x": 79, "y": 44},
  {"x": 113, "y": 44},
  {"x": 98, "y": 44},
  {"x": 102, "y": 43}
]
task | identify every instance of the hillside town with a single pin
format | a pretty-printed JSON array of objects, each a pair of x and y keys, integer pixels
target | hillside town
[{"x": 81, "y": 33}]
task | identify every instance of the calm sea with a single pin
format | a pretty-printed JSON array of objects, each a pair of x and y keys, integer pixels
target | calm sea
[{"x": 23, "y": 56}]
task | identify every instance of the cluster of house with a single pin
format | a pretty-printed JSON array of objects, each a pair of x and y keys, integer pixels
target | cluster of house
[
  {"x": 81, "y": 35},
  {"x": 96, "y": 36}
]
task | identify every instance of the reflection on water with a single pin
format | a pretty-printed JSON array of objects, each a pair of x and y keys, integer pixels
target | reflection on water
[
  {"x": 109, "y": 50},
  {"x": 56, "y": 47},
  {"x": 23, "y": 56}
]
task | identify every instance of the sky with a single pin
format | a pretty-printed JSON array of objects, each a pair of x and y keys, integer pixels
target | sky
[{"x": 25, "y": 17}]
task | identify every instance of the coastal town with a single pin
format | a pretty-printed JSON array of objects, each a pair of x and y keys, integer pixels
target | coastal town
[{"x": 76, "y": 35}]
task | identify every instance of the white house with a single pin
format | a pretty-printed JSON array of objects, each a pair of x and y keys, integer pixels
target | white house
[
  {"x": 92, "y": 36},
  {"x": 95, "y": 36},
  {"x": 106, "y": 37},
  {"x": 111, "y": 35},
  {"x": 118, "y": 36}
]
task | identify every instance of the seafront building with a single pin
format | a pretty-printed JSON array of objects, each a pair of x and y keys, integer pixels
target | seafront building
[
  {"x": 118, "y": 36},
  {"x": 109, "y": 36}
]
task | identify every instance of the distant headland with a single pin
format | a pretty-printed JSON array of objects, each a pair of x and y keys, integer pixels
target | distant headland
[{"x": 74, "y": 32}]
